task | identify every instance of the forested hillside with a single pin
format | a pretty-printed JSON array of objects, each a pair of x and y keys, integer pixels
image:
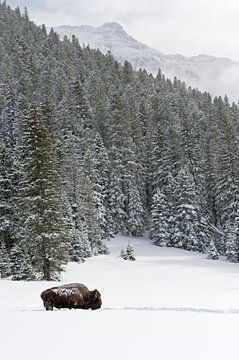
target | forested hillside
[
  {"x": 89, "y": 148},
  {"x": 217, "y": 75}
]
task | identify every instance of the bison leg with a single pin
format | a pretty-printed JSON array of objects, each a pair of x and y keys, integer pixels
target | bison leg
[{"x": 48, "y": 306}]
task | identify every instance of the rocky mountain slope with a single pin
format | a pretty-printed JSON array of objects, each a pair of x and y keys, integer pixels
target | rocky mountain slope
[{"x": 219, "y": 76}]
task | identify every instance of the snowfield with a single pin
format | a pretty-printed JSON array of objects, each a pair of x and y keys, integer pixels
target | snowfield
[{"x": 168, "y": 304}]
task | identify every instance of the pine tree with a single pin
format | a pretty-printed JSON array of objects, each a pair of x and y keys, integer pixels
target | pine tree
[
  {"x": 21, "y": 263},
  {"x": 80, "y": 111},
  {"x": 232, "y": 240},
  {"x": 190, "y": 232},
  {"x": 128, "y": 73},
  {"x": 232, "y": 246},
  {"x": 212, "y": 251},
  {"x": 226, "y": 164},
  {"x": 91, "y": 217},
  {"x": 5, "y": 269},
  {"x": 102, "y": 248},
  {"x": 8, "y": 119},
  {"x": 116, "y": 199},
  {"x": 136, "y": 212},
  {"x": 79, "y": 243},
  {"x": 7, "y": 199},
  {"x": 128, "y": 253},
  {"x": 43, "y": 223},
  {"x": 160, "y": 215},
  {"x": 120, "y": 155}
]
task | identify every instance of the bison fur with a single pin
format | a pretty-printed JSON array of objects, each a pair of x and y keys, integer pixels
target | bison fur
[{"x": 71, "y": 296}]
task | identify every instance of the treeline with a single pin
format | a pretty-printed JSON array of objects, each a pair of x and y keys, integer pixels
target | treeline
[{"x": 90, "y": 148}]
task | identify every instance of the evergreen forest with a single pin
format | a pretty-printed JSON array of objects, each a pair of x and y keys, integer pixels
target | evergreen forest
[{"x": 90, "y": 148}]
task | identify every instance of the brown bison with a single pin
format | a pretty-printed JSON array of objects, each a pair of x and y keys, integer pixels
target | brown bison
[{"x": 71, "y": 296}]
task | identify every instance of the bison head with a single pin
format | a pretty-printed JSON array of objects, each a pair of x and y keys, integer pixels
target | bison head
[{"x": 95, "y": 301}]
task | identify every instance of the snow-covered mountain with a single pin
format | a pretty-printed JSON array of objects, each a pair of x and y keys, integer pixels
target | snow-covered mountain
[{"x": 219, "y": 76}]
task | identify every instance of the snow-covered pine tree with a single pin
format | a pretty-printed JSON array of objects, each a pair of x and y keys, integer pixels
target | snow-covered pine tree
[
  {"x": 96, "y": 168},
  {"x": 79, "y": 241},
  {"x": 102, "y": 248},
  {"x": 194, "y": 144},
  {"x": 8, "y": 118},
  {"x": 232, "y": 240},
  {"x": 80, "y": 111},
  {"x": 135, "y": 211},
  {"x": 161, "y": 146},
  {"x": 5, "y": 269},
  {"x": 91, "y": 217},
  {"x": 212, "y": 251},
  {"x": 232, "y": 246},
  {"x": 160, "y": 215},
  {"x": 94, "y": 191},
  {"x": 21, "y": 263},
  {"x": 128, "y": 253},
  {"x": 79, "y": 244},
  {"x": 117, "y": 191},
  {"x": 128, "y": 73},
  {"x": 44, "y": 230},
  {"x": 7, "y": 199},
  {"x": 226, "y": 164},
  {"x": 190, "y": 231}
]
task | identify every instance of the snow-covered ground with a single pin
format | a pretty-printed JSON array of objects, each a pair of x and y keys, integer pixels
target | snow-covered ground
[{"x": 168, "y": 304}]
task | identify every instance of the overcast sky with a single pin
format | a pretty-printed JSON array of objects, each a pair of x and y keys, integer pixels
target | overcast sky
[{"x": 188, "y": 27}]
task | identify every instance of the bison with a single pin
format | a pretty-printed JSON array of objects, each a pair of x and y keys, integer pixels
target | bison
[{"x": 71, "y": 296}]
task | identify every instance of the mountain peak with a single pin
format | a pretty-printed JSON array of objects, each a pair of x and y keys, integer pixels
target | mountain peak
[
  {"x": 215, "y": 75},
  {"x": 113, "y": 26}
]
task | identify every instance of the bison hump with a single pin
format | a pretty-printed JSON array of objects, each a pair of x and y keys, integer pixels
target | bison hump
[
  {"x": 65, "y": 291},
  {"x": 73, "y": 285}
]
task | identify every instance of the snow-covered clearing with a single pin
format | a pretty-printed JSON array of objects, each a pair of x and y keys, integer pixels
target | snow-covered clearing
[{"x": 168, "y": 304}]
